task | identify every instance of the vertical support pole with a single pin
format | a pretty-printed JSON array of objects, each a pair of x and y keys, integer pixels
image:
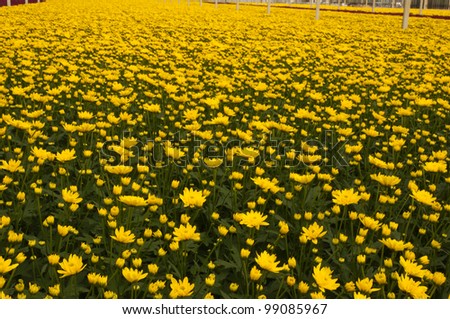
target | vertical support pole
[
  {"x": 373, "y": 6},
  {"x": 268, "y": 6},
  {"x": 215, "y": 4},
  {"x": 406, "y": 10},
  {"x": 317, "y": 9},
  {"x": 8, "y": 3},
  {"x": 421, "y": 7},
  {"x": 237, "y": 5}
]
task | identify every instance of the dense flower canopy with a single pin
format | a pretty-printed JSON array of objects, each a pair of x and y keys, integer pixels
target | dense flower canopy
[{"x": 152, "y": 149}]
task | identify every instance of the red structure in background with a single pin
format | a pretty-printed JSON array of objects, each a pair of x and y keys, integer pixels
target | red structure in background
[{"x": 16, "y": 2}]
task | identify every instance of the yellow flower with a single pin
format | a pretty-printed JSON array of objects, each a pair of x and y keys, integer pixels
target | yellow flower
[
  {"x": 253, "y": 219},
  {"x": 173, "y": 152},
  {"x": 123, "y": 236},
  {"x": 234, "y": 287},
  {"x": 4, "y": 221},
  {"x": 133, "y": 275},
  {"x": 302, "y": 179},
  {"x": 255, "y": 274},
  {"x": 313, "y": 232},
  {"x": 394, "y": 244},
  {"x": 14, "y": 237},
  {"x": 70, "y": 196},
  {"x": 345, "y": 197},
  {"x": 210, "y": 280},
  {"x": 213, "y": 162},
  {"x": 266, "y": 184},
  {"x": 413, "y": 288},
  {"x": 323, "y": 278},
  {"x": 66, "y": 155},
  {"x": 358, "y": 295},
  {"x": 97, "y": 279},
  {"x": 54, "y": 290},
  {"x": 71, "y": 266},
  {"x": 42, "y": 154},
  {"x": 365, "y": 285},
  {"x": 303, "y": 287},
  {"x": 12, "y": 166},
  {"x": 186, "y": 232},
  {"x": 6, "y": 266},
  {"x": 192, "y": 198},
  {"x": 439, "y": 278},
  {"x": 424, "y": 197},
  {"x": 435, "y": 167},
  {"x": 411, "y": 268},
  {"x": 53, "y": 259},
  {"x": 380, "y": 278},
  {"x": 119, "y": 169},
  {"x": 370, "y": 223},
  {"x": 385, "y": 180},
  {"x": 181, "y": 288},
  {"x": 133, "y": 200},
  {"x": 268, "y": 262}
]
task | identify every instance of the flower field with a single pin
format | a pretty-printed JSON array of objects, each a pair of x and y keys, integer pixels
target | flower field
[{"x": 156, "y": 150}]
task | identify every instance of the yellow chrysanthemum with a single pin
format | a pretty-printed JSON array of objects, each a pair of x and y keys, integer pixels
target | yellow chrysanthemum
[
  {"x": 313, "y": 232},
  {"x": 181, "y": 288},
  {"x": 186, "y": 232},
  {"x": 123, "y": 236},
  {"x": 6, "y": 265},
  {"x": 192, "y": 198},
  {"x": 253, "y": 219},
  {"x": 345, "y": 197},
  {"x": 268, "y": 262},
  {"x": 133, "y": 200},
  {"x": 71, "y": 266},
  {"x": 322, "y": 276}
]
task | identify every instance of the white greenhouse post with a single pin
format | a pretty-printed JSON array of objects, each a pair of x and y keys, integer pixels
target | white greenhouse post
[
  {"x": 215, "y": 4},
  {"x": 339, "y": 4},
  {"x": 421, "y": 7},
  {"x": 201, "y": 3},
  {"x": 310, "y": 3},
  {"x": 392, "y": 3},
  {"x": 425, "y": 5},
  {"x": 406, "y": 10},
  {"x": 8, "y": 3},
  {"x": 268, "y": 6},
  {"x": 26, "y": 1},
  {"x": 373, "y": 6},
  {"x": 317, "y": 9},
  {"x": 237, "y": 5}
]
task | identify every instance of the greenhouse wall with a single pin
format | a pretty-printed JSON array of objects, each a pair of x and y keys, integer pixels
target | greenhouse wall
[{"x": 4, "y": 3}]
